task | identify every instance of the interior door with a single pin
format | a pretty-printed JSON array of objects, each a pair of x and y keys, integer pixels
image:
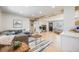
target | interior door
[{"x": 50, "y": 26}]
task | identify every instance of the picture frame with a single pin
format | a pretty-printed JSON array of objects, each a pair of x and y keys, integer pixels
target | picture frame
[{"x": 17, "y": 23}]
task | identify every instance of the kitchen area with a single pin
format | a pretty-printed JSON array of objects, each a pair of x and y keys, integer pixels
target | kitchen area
[{"x": 69, "y": 38}]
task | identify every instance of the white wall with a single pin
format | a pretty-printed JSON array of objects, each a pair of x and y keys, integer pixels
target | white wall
[
  {"x": 0, "y": 21},
  {"x": 69, "y": 17},
  {"x": 7, "y": 22}
]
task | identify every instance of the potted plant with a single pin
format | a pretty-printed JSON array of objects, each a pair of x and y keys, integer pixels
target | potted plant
[{"x": 16, "y": 44}]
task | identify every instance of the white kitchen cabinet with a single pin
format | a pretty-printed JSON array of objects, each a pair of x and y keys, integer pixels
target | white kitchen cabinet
[{"x": 69, "y": 42}]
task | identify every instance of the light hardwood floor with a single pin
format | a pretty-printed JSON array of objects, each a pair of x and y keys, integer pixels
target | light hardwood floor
[{"x": 53, "y": 47}]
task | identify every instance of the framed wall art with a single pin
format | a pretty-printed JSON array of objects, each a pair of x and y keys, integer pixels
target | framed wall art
[{"x": 17, "y": 23}]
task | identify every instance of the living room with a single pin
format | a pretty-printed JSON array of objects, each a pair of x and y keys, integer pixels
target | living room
[{"x": 43, "y": 26}]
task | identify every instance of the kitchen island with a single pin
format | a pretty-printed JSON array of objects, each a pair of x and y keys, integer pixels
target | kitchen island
[{"x": 69, "y": 41}]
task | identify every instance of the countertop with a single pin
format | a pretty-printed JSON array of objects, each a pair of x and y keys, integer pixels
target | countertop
[{"x": 69, "y": 33}]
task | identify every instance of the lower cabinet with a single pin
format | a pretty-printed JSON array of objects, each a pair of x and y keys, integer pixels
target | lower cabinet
[{"x": 69, "y": 43}]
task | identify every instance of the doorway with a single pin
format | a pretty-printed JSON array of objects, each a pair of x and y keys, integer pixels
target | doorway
[{"x": 50, "y": 26}]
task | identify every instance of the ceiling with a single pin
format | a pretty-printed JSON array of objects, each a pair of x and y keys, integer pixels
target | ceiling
[{"x": 33, "y": 11}]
